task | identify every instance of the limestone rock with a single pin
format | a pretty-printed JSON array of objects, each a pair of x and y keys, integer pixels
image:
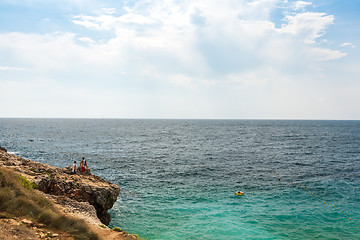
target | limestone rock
[
  {"x": 84, "y": 187},
  {"x": 27, "y": 222}
]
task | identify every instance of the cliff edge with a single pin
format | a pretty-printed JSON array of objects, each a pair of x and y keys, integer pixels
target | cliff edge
[{"x": 70, "y": 188}]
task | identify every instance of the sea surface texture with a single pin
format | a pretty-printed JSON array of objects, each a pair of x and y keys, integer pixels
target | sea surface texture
[{"x": 178, "y": 178}]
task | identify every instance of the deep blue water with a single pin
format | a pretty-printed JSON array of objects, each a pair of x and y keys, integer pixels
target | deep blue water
[{"x": 178, "y": 177}]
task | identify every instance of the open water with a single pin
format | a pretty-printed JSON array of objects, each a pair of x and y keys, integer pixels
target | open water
[{"x": 178, "y": 177}]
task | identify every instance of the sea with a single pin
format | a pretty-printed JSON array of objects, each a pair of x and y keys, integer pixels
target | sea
[{"x": 178, "y": 178}]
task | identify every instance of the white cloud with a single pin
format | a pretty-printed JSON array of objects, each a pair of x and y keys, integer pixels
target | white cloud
[
  {"x": 109, "y": 10},
  {"x": 164, "y": 50},
  {"x": 53, "y": 99},
  {"x": 86, "y": 40},
  {"x": 54, "y": 52},
  {"x": 258, "y": 77},
  {"x": 161, "y": 36},
  {"x": 183, "y": 80},
  {"x": 6, "y": 68},
  {"x": 136, "y": 18},
  {"x": 322, "y": 54},
  {"x": 307, "y": 26},
  {"x": 348, "y": 44},
  {"x": 301, "y": 5},
  {"x": 103, "y": 22}
]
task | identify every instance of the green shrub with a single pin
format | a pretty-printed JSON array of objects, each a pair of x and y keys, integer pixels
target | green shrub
[
  {"x": 26, "y": 183},
  {"x": 135, "y": 235},
  {"x": 117, "y": 229},
  {"x": 102, "y": 226}
]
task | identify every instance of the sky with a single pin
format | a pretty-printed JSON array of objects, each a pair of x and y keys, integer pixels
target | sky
[{"x": 197, "y": 59}]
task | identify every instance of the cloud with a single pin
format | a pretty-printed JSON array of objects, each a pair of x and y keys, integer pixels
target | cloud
[
  {"x": 6, "y": 68},
  {"x": 348, "y": 44},
  {"x": 183, "y": 80},
  {"x": 322, "y": 54},
  {"x": 53, "y": 52},
  {"x": 29, "y": 97},
  {"x": 258, "y": 77},
  {"x": 164, "y": 51},
  {"x": 98, "y": 23},
  {"x": 299, "y": 5},
  {"x": 196, "y": 39},
  {"x": 307, "y": 26},
  {"x": 86, "y": 40}
]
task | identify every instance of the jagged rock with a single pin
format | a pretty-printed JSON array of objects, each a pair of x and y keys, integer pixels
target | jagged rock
[
  {"x": 102, "y": 195},
  {"x": 3, "y": 149},
  {"x": 82, "y": 187},
  {"x": 27, "y": 222}
]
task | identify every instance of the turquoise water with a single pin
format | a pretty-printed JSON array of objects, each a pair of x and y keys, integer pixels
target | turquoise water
[{"x": 178, "y": 177}]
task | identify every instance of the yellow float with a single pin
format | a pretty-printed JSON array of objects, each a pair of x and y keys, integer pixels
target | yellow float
[{"x": 239, "y": 193}]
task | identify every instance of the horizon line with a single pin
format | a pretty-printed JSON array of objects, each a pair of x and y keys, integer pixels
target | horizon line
[{"x": 144, "y": 118}]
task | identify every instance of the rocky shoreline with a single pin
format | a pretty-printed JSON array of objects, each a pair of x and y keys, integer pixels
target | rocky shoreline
[{"x": 84, "y": 194}]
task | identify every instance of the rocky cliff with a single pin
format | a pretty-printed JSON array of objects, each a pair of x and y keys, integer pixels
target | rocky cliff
[{"x": 99, "y": 193}]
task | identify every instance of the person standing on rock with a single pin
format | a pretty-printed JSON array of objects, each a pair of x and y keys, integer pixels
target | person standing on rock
[
  {"x": 82, "y": 165},
  {"x": 74, "y": 168}
]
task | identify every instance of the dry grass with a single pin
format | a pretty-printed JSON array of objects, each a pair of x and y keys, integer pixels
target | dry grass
[{"x": 17, "y": 199}]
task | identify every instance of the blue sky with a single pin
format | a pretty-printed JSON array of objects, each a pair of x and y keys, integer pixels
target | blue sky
[{"x": 229, "y": 59}]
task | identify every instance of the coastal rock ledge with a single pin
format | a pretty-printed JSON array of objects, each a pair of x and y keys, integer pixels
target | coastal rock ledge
[{"x": 99, "y": 193}]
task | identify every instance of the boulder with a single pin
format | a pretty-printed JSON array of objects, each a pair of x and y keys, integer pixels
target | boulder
[{"x": 83, "y": 188}]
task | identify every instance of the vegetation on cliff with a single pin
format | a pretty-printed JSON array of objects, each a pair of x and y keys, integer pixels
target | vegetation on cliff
[
  {"x": 38, "y": 201},
  {"x": 81, "y": 187},
  {"x": 18, "y": 199}
]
